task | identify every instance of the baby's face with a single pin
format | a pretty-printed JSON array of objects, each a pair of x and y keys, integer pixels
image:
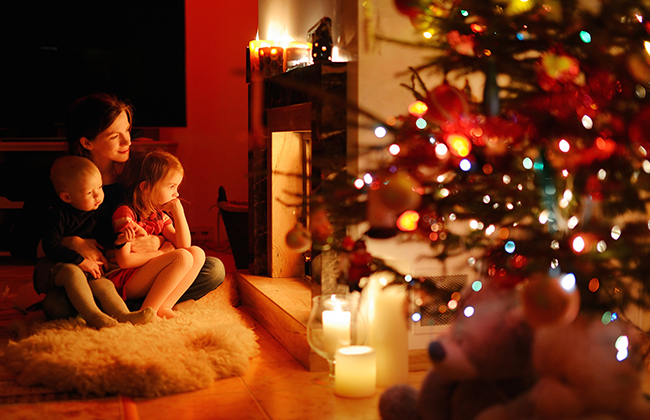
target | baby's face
[{"x": 88, "y": 193}]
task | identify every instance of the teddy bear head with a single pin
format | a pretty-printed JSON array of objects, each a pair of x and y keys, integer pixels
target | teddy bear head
[{"x": 489, "y": 337}]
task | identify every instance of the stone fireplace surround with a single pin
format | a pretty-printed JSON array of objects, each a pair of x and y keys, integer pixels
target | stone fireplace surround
[{"x": 309, "y": 102}]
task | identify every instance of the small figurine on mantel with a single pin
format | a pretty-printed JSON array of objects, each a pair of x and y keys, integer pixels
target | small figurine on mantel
[
  {"x": 358, "y": 265},
  {"x": 320, "y": 36}
]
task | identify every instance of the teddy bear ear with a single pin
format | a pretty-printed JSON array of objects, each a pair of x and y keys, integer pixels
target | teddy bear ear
[{"x": 550, "y": 300}]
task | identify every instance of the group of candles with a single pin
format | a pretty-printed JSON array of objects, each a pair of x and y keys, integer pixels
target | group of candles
[
  {"x": 359, "y": 369},
  {"x": 295, "y": 54}
]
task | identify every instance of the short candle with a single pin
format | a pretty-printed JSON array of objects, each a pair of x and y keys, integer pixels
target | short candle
[{"x": 355, "y": 372}]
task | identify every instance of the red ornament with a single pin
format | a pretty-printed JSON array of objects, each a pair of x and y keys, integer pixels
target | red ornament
[
  {"x": 639, "y": 128},
  {"x": 399, "y": 193},
  {"x": 410, "y": 8},
  {"x": 446, "y": 104}
]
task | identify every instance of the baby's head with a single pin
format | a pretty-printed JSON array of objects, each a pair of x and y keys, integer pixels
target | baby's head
[{"x": 77, "y": 181}]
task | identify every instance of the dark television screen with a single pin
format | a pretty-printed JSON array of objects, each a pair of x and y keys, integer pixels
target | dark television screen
[{"x": 53, "y": 52}]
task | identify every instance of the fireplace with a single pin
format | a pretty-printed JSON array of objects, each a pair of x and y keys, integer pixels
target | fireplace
[{"x": 298, "y": 126}]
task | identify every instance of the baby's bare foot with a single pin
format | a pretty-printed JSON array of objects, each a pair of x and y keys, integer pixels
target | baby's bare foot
[{"x": 143, "y": 316}]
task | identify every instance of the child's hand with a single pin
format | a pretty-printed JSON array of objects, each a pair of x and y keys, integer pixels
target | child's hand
[
  {"x": 173, "y": 207},
  {"x": 128, "y": 234},
  {"x": 91, "y": 267}
]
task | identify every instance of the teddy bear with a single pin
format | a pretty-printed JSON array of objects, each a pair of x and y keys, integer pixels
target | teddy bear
[
  {"x": 588, "y": 369},
  {"x": 482, "y": 359}
]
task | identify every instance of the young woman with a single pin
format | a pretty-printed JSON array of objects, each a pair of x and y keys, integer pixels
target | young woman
[{"x": 98, "y": 127}]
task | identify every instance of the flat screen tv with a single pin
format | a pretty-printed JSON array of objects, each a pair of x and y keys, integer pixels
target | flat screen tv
[{"x": 53, "y": 52}]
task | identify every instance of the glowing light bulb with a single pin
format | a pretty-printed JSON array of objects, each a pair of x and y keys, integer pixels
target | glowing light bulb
[
  {"x": 418, "y": 108},
  {"x": 459, "y": 145},
  {"x": 394, "y": 149},
  {"x": 380, "y": 132},
  {"x": 468, "y": 311},
  {"x": 408, "y": 221},
  {"x": 568, "y": 282},
  {"x": 441, "y": 150},
  {"x": 578, "y": 244},
  {"x": 564, "y": 146}
]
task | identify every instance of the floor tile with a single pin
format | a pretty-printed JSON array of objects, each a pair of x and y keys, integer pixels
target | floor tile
[
  {"x": 220, "y": 402},
  {"x": 105, "y": 409}
]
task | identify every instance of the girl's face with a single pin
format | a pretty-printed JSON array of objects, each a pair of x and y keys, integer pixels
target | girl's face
[
  {"x": 112, "y": 144},
  {"x": 167, "y": 189}
]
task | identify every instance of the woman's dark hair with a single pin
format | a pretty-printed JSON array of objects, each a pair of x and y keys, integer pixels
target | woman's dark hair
[{"x": 91, "y": 115}]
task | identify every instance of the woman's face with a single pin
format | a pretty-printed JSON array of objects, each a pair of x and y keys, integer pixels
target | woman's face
[{"x": 112, "y": 144}]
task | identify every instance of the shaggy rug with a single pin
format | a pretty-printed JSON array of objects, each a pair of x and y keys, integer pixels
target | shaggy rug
[{"x": 209, "y": 340}]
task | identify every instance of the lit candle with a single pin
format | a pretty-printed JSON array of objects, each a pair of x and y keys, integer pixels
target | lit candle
[
  {"x": 271, "y": 60},
  {"x": 336, "y": 327},
  {"x": 389, "y": 335},
  {"x": 355, "y": 372},
  {"x": 297, "y": 54},
  {"x": 254, "y": 51}
]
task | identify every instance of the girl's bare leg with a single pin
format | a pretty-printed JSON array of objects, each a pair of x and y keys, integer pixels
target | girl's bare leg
[
  {"x": 158, "y": 278},
  {"x": 198, "y": 258}
]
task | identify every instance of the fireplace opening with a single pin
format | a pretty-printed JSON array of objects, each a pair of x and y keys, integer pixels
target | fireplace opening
[{"x": 290, "y": 187}]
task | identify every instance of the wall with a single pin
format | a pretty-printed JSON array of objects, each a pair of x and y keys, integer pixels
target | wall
[{"x": 214, "y": 146}]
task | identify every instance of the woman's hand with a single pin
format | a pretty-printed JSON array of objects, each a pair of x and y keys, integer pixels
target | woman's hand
[
  {"x": 91, "y": 267},
  {"x": 144, "y": 244},
  {"x": 167, "y": 247},
  {"x": 87, "y": 248}
]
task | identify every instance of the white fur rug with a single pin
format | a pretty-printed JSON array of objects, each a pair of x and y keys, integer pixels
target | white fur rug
[{"x": 207, "y": 341}]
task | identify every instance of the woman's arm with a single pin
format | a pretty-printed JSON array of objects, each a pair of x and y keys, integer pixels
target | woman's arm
[
  {"x": 87, "y": 248},
  {"x": 127, "y": 259}
]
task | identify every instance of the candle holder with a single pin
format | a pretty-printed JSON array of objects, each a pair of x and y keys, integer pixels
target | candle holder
[{"x": 333, "y": 323}]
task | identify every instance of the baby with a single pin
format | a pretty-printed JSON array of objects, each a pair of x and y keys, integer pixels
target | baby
[{"x": 78, "y": 184}]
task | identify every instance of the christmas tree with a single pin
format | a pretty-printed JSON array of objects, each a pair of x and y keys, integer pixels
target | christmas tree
[
  {"x": 532, "y": 157},
  {"x": 545, "y": 166}
]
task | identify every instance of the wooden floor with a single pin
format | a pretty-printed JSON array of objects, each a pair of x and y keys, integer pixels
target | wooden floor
[{"x": 275, "y": 386}]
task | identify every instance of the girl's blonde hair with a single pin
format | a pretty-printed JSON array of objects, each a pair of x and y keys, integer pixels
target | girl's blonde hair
[{"x": 142, "y": 174}]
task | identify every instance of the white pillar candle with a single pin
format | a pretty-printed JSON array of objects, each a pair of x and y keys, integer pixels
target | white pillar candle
[
  {"x": 355, "y": 372},
  {"x": 336, "y": 329},
  {"x": 389, "y": 336}
]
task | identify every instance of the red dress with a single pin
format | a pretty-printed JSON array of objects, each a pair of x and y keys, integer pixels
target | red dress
[{"x": 154, "y": 225}]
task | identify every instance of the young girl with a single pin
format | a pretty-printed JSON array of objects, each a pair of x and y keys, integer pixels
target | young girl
[{"x": 152, "y": 207}]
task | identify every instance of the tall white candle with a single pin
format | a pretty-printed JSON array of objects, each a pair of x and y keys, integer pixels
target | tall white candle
[
  {"x": 355, "y": 372},
  {"x": 389, "y": 335},
  {"x": 336, "y": 329}
]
